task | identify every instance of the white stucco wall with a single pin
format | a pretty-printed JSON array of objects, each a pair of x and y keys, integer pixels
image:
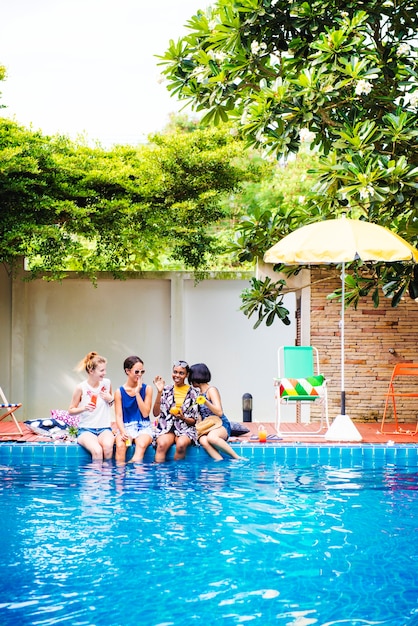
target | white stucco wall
[
  {"x": 241, "y": 359},
  {"x": 50, "y": 326}
]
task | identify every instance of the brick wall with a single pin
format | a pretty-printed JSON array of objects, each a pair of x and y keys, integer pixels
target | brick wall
[{"x": 370, "y": 336}]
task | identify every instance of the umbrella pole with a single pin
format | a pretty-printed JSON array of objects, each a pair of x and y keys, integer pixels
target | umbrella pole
[
  {"x": 342, "y": 340},
  {"x": 342, "y": 428}
]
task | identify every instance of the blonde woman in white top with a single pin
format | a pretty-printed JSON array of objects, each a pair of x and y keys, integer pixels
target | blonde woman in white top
[{"x": 92, "y": 400}]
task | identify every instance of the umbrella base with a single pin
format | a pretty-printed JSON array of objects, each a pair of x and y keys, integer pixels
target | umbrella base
[{"x": 343, "y": 429}]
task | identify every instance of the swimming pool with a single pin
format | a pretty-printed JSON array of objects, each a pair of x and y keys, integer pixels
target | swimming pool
[{"x": 297, "y": 535}]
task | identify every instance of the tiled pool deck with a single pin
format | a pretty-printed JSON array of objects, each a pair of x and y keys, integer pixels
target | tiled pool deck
[
  {"x": 376, "y": 448},
  {"x": 344, "y": 455}
]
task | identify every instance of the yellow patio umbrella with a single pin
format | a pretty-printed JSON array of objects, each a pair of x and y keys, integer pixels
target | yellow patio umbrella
[{"x": 336, "y": 241}]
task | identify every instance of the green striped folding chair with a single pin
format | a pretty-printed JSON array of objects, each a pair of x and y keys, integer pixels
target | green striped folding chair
[{"x": 300, "y": 381}]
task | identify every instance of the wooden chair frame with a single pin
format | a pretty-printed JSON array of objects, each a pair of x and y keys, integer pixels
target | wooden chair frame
[
  {"x": 10, "y": 411},
  {"x": 401, "y": 370}
]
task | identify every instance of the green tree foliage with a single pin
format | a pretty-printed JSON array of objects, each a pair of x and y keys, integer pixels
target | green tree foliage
[
  {"x": 69, "y": 206},
  {"x": 2, "y": 77},
  {"x": 272, "y": 207},
  {"x": 342, "y": 73}
]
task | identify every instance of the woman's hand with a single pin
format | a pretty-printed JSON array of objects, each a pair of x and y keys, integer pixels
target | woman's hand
[
  {"x": 178, "y": 413},
  {"x": 123, "y": 435},
  {"x": 106, "y": 396},
  {"x": 159, "y": 382},
  {"x": 186, "y": 418},
  {"x": 139, "y": 384}
]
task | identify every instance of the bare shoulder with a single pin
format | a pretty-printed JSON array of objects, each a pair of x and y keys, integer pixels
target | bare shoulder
[
  {"x": 78, "y": 390},
  {"x": 213, "y": 392}
]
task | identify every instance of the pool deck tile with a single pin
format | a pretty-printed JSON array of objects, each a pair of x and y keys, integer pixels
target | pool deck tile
[
  {"x": 370, "y": 432},
  {"x": 301, "y": 449}
]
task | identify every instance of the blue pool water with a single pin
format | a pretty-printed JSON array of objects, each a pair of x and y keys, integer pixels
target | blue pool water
[{"x": 268, "y": 541}]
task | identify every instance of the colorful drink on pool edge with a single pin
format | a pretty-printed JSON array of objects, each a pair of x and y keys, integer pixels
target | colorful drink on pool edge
[{"x": 262, "y": 434}]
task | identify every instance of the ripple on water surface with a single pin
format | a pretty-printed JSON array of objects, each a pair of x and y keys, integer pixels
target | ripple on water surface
[{"x": 189, "y": 543}]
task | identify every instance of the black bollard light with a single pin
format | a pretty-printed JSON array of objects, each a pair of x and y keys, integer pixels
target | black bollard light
[{"x": 247, "y": 407}]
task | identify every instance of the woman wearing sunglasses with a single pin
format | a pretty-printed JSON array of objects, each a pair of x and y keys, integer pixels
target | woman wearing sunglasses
[
  {"x": 133, "y": 402},
  {"x": 177, "y": 412}
]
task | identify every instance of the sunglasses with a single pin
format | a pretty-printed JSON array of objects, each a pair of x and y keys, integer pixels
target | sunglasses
[
  {"x": 139, "y": 372},
  {"x": 180, "y": 364}
]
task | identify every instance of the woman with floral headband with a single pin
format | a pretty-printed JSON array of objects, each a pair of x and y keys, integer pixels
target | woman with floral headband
[
  {"x": 92, "y": 400},
  {"x": 177, "y": 412}
]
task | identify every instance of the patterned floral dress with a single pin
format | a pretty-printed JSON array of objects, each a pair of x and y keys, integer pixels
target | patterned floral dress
[{"x": 168, "y": 423}]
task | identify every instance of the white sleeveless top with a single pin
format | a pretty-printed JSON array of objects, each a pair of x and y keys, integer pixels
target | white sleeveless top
[{"x": 100, "y": 417}]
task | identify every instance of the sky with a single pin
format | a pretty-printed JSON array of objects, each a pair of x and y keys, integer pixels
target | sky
[{"x": 87, "y": 67}]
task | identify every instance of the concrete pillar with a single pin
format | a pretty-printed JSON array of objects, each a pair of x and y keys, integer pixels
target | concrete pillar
[
  {"x": 178, "y": 337},
  {"x": 18, "y": 340}
]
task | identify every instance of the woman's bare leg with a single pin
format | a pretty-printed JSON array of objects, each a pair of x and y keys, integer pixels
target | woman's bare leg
[
  {"x": 120, "y": 455},
  {"x": 141, "y": 444},
  {"x": 182, "y": 443},
  {"x": 164, "y": 443},
  {"x": 90, "y": 442},
  {"x": 213, "y": 453},
  {"x": 218, "y": 439},
  {"x": 107, "y": 442}
]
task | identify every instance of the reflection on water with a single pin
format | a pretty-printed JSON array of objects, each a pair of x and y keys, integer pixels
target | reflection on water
[{"x": 181, "y": 543}]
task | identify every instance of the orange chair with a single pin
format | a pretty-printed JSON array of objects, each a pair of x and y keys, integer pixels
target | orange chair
[
  {"x": 10, "y": 410},
  {"x": 403, "y": 376}
]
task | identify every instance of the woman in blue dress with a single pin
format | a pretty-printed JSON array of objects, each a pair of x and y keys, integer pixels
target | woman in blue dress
[
  {"x": 216, "y": 440},
  {"x": 133, "y": 402}
]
